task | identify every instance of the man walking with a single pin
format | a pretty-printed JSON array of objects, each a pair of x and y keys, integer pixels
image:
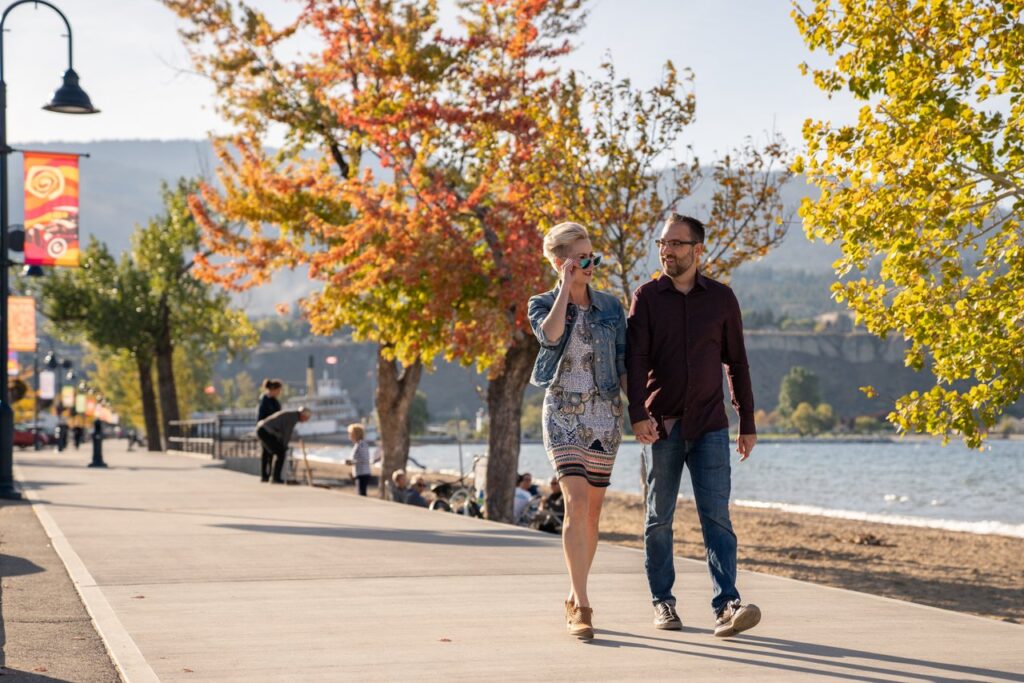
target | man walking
[{"x": 681, "y": 329}]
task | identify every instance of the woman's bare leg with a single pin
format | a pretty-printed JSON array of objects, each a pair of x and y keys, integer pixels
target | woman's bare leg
[
  {"x": 576, "y": 537},
  {"x": 595, "y": 499}
]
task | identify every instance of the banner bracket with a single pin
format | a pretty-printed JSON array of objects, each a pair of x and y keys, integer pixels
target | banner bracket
[{"x": 16, "y": 150}]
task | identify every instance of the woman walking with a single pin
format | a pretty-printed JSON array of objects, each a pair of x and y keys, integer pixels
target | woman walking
[
  {"x": 268, "y": 406},
  {"x": 581, "y": 364}
]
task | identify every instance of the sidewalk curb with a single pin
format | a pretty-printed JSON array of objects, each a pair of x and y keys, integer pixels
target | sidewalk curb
[{"x": 126, "y": 655}]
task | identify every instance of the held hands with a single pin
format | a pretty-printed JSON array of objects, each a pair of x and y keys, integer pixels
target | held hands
[
  {"x": 646, "y": 431},
  {"x": 745, "y": 444}
]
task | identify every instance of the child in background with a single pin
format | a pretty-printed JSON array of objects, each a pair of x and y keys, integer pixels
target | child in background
[{"x": 360, "y": 456}]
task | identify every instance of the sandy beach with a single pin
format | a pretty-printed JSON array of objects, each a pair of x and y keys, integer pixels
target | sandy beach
[{"x": 975, "y": 573}]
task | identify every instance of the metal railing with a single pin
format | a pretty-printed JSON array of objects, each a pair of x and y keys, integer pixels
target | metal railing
[{"x": 223, "y": 436}]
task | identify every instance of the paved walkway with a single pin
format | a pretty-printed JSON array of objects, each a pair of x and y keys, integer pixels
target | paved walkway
[
  {"x": 195, "y": 573},
  {"x": 45, "y": 632}
]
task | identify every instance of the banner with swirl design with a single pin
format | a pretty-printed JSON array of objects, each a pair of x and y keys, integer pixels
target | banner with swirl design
[{"x": 51, "y": 209}]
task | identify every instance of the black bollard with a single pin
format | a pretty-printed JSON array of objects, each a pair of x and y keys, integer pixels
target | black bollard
[{"x": 97, "y": 445}]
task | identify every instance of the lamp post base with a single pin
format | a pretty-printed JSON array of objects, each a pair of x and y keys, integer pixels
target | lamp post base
[
  {"x": 7, "y": 490},
  {"x": 97, "y": 445}
]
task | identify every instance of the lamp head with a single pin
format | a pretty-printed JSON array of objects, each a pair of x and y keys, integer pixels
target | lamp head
[{"x": 70, "y": 98}]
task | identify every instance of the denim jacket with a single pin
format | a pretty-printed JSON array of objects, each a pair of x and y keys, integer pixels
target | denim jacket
[{"x": 608, "y": 326}]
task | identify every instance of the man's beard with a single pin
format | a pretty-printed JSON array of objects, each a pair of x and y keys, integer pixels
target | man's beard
[{"x": 677, "y": 266}]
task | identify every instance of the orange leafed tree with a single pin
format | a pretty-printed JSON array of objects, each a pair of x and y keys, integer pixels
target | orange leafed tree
[{"x": 432, "y": 252}]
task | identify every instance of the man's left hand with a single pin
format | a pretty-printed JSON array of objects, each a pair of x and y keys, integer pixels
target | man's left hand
[{"x": 745, "y": 444}]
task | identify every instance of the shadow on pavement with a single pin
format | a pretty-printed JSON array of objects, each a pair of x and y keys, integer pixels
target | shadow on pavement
[
  {"x": 15, "y": 676},
  {"x": 11, "y": 565},
  {"x": 496, "y": 538},
  {"x": 805, "y": 658},
  {"x": 82, "y": 461},
  {"x": 39, "y": 485}
]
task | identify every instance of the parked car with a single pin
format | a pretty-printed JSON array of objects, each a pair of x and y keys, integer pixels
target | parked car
[{"x": 25, "y": 436}]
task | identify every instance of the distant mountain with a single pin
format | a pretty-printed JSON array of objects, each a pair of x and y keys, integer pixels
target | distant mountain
[
  {"x": 120, "y": 188},
  {"x": 797, "y": 252}
]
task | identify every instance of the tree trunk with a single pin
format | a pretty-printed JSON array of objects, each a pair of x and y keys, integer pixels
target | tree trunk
[
  {"x": 396, "y": 387},
  {"x": 505, "y": 407},
  {"x": 168, "y": 391},
  {"x": 165, "y": 380},
  {"x": 149, "y": 412}
]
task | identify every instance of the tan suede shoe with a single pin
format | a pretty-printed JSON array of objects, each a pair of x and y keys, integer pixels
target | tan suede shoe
[{"x": 581, "y": 624}]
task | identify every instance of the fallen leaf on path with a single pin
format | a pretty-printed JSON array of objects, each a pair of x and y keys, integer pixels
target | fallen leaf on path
[
  {"x": 446, "y": 640},
  {"x": 188, "y": 671},
  {"x": 138, "y": 597}
]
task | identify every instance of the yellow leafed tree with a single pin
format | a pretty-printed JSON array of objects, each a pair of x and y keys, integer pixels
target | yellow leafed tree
[{"x": 924, "y": 193}]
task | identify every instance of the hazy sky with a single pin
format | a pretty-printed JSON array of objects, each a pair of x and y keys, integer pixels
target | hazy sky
[{"x": 744, "y": 54}]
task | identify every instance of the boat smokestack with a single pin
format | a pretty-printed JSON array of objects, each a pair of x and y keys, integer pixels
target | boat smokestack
[{"x": 310, "y": 380}]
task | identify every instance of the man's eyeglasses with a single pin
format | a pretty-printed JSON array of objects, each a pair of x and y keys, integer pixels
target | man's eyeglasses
[
  {"x": 674, "y": 244},
  {"x": 587, "y": 261}
]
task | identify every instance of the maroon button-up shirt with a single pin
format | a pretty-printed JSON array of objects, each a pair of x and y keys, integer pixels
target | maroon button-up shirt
[{"x": 676, "y": 345}]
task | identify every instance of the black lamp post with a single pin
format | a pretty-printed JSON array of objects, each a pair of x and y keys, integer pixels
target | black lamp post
[{"x": 68, "y": 99}]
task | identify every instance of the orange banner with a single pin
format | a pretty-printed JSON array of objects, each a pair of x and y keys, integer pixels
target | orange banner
[
  {"x": 51, "y": 209},
  {"x": 21, "y": 326}
]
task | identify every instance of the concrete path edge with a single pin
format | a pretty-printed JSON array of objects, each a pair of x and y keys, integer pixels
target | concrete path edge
[{"x": 126, "y": 655}]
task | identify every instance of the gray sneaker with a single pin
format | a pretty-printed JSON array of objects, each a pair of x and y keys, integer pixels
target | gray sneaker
[
  {"x": 666, "y": 618},
  {"x": 735, "y": 617}
]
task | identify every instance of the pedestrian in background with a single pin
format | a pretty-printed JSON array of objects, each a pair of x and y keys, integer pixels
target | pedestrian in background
[
  {"x": 360, "y": 456},
  {"x": 414, "y": 494},
  {"x": 397, "y": 488},
  {"x": 276, "y": 431},
  {"x": 268, "y": 406}
]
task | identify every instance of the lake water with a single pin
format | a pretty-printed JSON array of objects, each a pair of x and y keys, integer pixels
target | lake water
[{"x": 919, "y": 483}]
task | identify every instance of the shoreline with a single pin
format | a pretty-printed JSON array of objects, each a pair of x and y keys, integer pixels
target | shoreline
[
  {"x": 891, "y": 438},
  {"x": 986, "y": 527}
]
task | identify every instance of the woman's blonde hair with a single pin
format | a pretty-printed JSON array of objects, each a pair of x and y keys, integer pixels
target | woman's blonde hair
[
  {"x": 560, "y": 237},
  {"x": 356, "y": 431}
]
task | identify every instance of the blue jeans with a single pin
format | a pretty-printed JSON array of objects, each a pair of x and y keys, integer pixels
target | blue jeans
[{"x": 708, "y": 461}]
